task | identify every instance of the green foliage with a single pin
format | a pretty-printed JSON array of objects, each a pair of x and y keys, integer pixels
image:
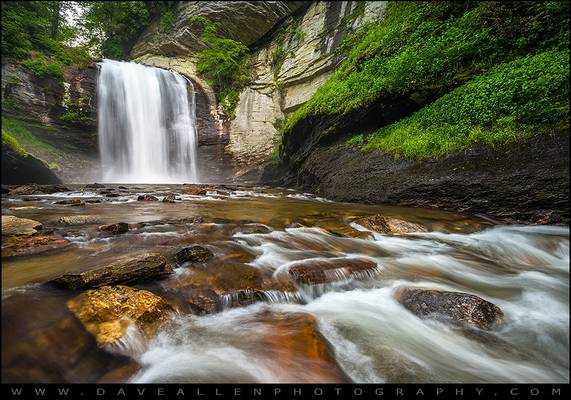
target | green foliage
[
  {"x": 512, "y": 101},
  {"x": 43, "y": 68},
  {"x": 77, "y": 111},
  {"x": 38, "y": 31},
  {"x": 356, "y": 141},
  {"x": 223, "y": 64},
  {"x": 115, "y": 25},
  {"x": 434, "y": 45},
  {"x": 28, "y": 140},
  {"x": 11, "y": 142},
  {"x": 54, "y": 166}
]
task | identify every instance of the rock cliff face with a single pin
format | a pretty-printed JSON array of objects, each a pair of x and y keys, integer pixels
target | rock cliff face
[
  {"x": 293, "y": 52},
  {"x": 53, "y": 119}
]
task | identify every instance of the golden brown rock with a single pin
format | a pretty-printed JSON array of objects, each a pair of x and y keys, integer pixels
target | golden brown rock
[
  {"x": 319, "y": 271},
  {"x": 108, "y": 312},
  {"x": 33, "y": 245},
  {"x": 14, "y": 226},
  {"x": 389, "y": 226}
]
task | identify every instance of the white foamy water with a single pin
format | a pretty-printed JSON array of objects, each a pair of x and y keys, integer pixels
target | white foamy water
[
  {"x": 524, "y": 270},
  {"x": 146, "y": 125}
]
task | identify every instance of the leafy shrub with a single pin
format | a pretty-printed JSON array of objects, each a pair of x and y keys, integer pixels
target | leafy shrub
[
  {"x": 43, "y": 68},
  {"x": 512, "y": 101},
  {"x": 436, "y": 45},
  {"x": 11, "y": 142},
  {"x": 223, "y": 64}
]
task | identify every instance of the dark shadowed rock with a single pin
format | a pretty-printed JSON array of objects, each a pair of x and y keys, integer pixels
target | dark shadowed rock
[
  {"x": 71, "y": 202},
  {"x": 197, "y": 254},
  {"x": 457, "y": 308},
  {"x": 33, "y": 245},
  {"x": 108, "y": 312},
  {"x": 94, "y": 186},
  {"x": 93, "y": 201},
  {"x": 38, "y": 189},
  {"x": 390, "y": 226},
  {"x": 169, "y": 198},
  {"x": 141, "y": 268},
  {"x": 147, "y": 197},
  {"x": 5, "y": 189},
  {"x": 314, "y": 272},
  {"x": 115, "y": 229},
  {"x": 112, "y": 195}
]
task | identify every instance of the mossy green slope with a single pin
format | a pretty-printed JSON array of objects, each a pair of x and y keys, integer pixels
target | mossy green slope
[{"x": 441, "y": 46}]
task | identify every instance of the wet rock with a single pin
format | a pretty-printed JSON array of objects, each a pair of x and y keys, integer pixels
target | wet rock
[
  {"x": 320, "y": 271},
  {"x": 221, "y": 279},
  {"x": 93, "y": 201},
  {"x": 304, "y": 354},
  {"x": 14, "y": 226},
  {"x": 94, "y": 186},
  {"x": 169, "y": 198},
  {"x": 122, "y": 187},
  {"x": 38, "y": 189},
  {"x": 454, "y": 307},
  {"x": 33, "y": 245},
  {"x": 389, "y": 226},
  {"x": 109, "y": 311},
  {"x": 115, "y": 229},
  {"x": 251, "y": 228},
  {"x": 5, "y": 189},
  {"x": 147, "y": 197},
  {"x": 121, "y": 374},
  {"x": 196, "y": 254},
  {"x": 71, "y": 202},
  {"x": 79, "y": 220},
  {"x": 142, "y": 268},
  {"x": 112, "y": 195},
  {"x": 196, "y": 190}
]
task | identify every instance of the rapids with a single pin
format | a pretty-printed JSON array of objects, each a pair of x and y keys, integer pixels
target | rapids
[{"x": 369, "y": 336}]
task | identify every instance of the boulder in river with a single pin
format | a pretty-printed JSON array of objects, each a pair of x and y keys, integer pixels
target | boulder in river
[
  {"x": 196, "y": 254},
  {"x": 109, "y": 311},
  {"x": 14, "y": 226},
  {"x": 147, "y": 197},
  {"x": 33, "y": 245},
  {"x": 389, "y": 226},
  {"x": 38, "y": 189},
  {"x": 144, "y": 267},
  {"x": 196, "y": 190},
  {"x": 112, "y": 195},
  {"x": 169, "y": 198},
  {"x": 458, "y": 308},
  {"x": 71, "y": 202},
  {"x": 115, "y": 229},
  {"x": 303, "y": 353},
  {"x": 94, "y": 186},
  {"x": 79, "y": 219},
  {"x": 312, "y": 272}
]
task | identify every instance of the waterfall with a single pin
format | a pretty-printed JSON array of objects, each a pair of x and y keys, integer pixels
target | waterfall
[{"x": 146, "y": 125}]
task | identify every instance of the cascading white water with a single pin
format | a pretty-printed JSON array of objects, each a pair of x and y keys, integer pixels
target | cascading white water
[{"x": 146, "y": 125}]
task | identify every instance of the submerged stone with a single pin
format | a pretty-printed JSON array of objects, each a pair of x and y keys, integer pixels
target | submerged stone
[
  {"x": 141, "y": 268},
  {"x": 33, "y": 245},
  {"x": 71, "y": 202},
  {"x": 454, "y": 307}
]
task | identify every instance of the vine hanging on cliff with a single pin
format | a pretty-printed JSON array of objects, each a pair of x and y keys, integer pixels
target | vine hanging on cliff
[{"x": 223, "y": 64}]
